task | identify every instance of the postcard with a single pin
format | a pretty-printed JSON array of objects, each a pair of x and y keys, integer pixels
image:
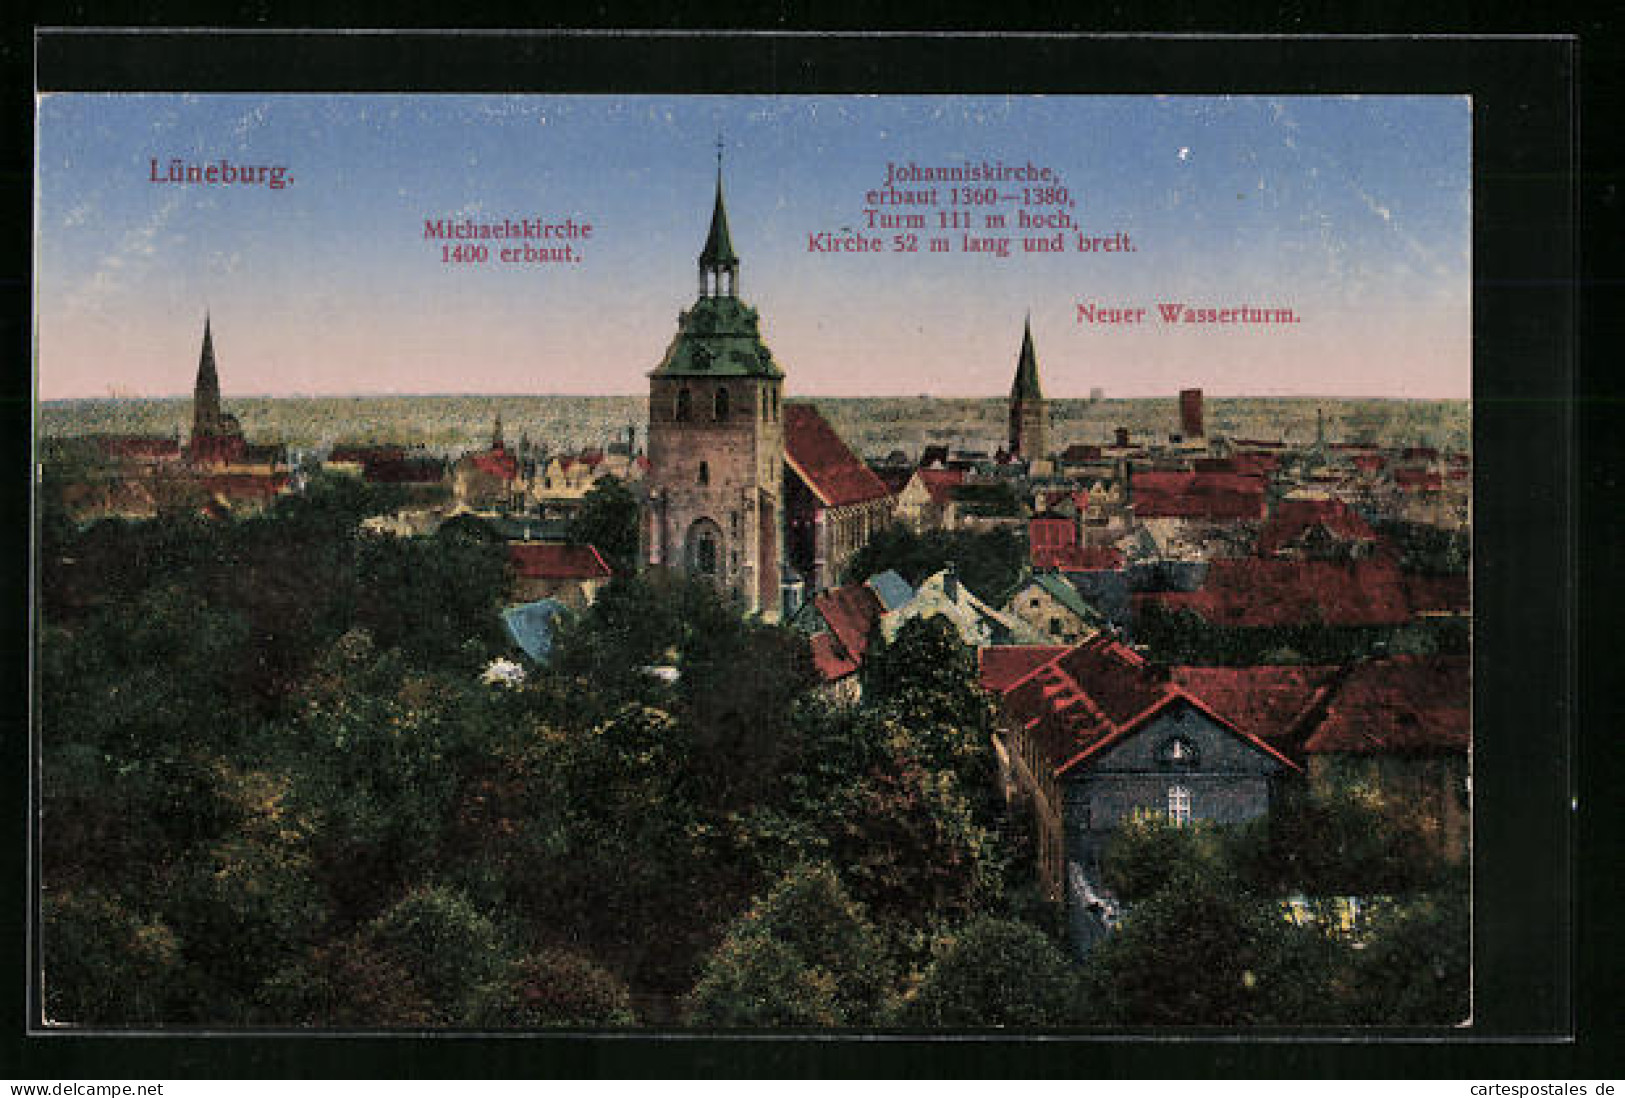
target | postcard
[{"x": 818, "y": 563}]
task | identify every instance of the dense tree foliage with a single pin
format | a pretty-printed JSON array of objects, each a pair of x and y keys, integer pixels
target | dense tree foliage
[
  {"x": 989, "y": 563},
  {"x": 276, "y": 791},
  {"x": 995, "y": 972},
  {"x": 608, "y": 520}
]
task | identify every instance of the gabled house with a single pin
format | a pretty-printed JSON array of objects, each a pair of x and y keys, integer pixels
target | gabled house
[
  {"x": 977, "y": 623},
  {"x": 572, "y": 574},
  {"x": 1049, "y": 603},
  {"x": 926, "y": 499},
  {"x": 1097, "y": 734}
]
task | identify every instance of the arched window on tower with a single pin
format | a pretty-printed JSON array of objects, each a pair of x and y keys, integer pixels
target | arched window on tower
[
  {"x": 720, "y": 405},
  {"x": 685, "y": 400},
  {"x": 775, "y": 404},
  {"x": 705, "y": 472}
]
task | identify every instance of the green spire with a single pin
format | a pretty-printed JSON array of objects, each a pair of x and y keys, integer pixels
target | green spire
[
  {"x": 1026, "y": 383},
  {"x": 719, "y": 246}
]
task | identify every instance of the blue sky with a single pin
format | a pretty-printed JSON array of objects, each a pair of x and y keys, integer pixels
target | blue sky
[{"x": 1355, "y": 212}]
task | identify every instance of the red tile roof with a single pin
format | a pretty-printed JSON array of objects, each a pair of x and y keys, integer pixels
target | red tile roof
[
  {"x": 1044, "y": 532},
  {"x": 939, "y": 484},
  {"x": 824, "y": 463},
  {"x": 1407, "y": 705},
  {"x": 1369, "y": 463},
  {"x": 1212, "y": 496},
  {"x": 1255, "y": 591},
  {"x": 1078, "y": 558},
  {"x": 556, "y": 560},
  {"x": 851, "y": 613},
  {"x": 1418, "y": 480},
  {"x": 833, "y": 662},
  {"x": 497, "y": 463},
  {"x": 1439, "y": 594},
  {"x": 1096, "y": 694},
  {"x": 1274, "y": 703},
  {"x": 360, "y": 454},
  {"x": 1295, "y": 517},
  {"x": 1000, "y": 666}
]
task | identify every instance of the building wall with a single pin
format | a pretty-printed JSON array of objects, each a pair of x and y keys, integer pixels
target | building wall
[
  {"x": 1230, "y": 783},
  {"x": 1040, "y": 609},
  {"x": 739, "y": 496}
]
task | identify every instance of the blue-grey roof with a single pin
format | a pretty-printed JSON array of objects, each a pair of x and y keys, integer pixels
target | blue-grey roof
[
  {"x": 532, "y": 626},
  {"x": 892, "y": 589}
]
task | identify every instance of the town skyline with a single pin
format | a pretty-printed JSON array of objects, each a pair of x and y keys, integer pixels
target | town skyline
[{"x": 337, "y": 295}]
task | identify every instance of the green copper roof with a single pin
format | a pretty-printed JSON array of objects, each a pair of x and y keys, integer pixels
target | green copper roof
[
  {"x": 719, "y": 246},
  {"x": 718, "y": 337},
  {"x": 1026, "y": 383}
]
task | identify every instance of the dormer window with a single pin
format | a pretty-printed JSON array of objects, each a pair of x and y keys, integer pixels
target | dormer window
[{"x": 1178, "y": 753}]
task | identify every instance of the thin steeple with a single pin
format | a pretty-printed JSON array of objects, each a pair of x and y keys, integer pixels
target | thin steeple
[
  {"x": 717, "y": 258},
  {"x": 1026, "y": 385},
  {"x": 206, "y": 392}
]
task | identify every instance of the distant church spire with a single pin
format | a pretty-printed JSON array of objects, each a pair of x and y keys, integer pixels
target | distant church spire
[
  {"x": 206, "y": 392},
  {"x": 719, "y": 266},
  {"x": 1026, "y": 387},
  {"x": 1029, "y": 415}
]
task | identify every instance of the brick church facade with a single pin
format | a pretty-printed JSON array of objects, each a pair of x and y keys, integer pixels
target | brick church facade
[{"x": 716, "y": 439}]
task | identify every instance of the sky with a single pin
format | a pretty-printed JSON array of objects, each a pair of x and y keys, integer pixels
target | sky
[{"x": 1354, "y": 212}]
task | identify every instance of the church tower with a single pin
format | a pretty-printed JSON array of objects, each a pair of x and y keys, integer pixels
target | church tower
[
  {"x": 216, "y": 436},
  {"x": 206, "y": 391},
  {"x": 1029, "y": 412},
  {"x": 716, "y": 443}
]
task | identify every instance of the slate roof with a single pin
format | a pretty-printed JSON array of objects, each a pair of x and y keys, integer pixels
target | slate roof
[
  {"x": 533, "y": 625},
  {"x": 553, "y": 560},
  {"x": 1095, "y": 695},
  {"x": 890, "y": 588},
  {"x": 825, "y": 464}
]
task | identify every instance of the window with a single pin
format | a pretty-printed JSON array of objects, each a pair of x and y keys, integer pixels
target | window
[
  {"x": 720, "y": 405},
  {"x": 1179, "y": 804},
  {"x": 775, "y": 404},
  {"x": 1055, "y": 627},
  {"x": 705, "y": 472},
  {"x": 685, "y": 401},
  {"x": 705, "y": 556},
  {"x": 1178, "y": 753}
]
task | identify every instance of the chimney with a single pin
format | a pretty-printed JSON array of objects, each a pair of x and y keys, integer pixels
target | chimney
[{"x": 1190, "y": 413}]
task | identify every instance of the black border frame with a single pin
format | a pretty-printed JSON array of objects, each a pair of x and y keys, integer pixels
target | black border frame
[{"x": 1526, "y": 330}]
